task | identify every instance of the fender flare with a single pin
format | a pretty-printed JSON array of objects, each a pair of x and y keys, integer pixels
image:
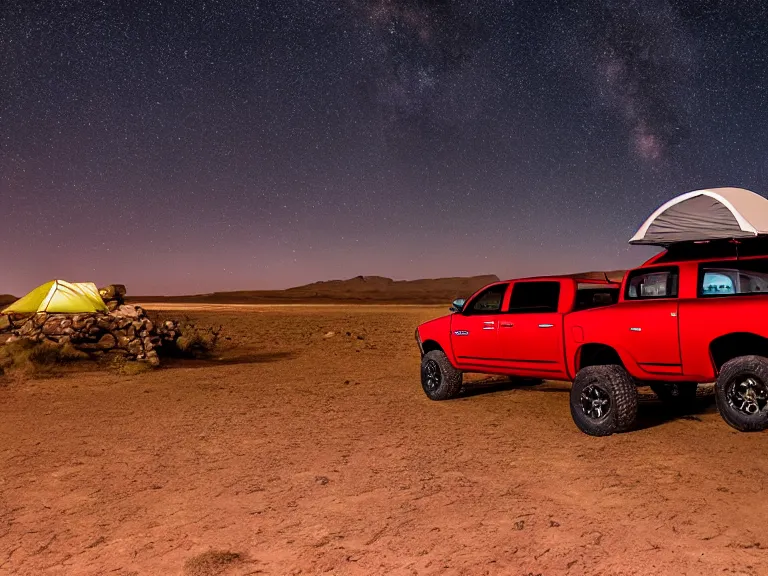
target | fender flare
[{"x": 626, "y": 358}]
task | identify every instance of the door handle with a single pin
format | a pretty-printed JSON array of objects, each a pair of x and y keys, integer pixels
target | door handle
[
  {"x": 506, "y": 324},
  {"x": 546, "y": 325},
  {"x": 635, "y": 329}
]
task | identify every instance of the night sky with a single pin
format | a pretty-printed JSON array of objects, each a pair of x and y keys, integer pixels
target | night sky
[{"x": 192, "y": 146}]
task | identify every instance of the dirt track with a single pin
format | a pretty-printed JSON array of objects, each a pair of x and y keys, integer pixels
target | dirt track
[{"x": 312, "y": 455}]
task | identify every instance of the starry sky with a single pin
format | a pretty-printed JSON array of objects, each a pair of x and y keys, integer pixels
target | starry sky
[{"x": 189, "y": 146}]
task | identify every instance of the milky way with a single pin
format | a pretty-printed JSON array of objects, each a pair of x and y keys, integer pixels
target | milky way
[
  {"x": 192, "y": 146},
  {"x": 646, "y": 61}
]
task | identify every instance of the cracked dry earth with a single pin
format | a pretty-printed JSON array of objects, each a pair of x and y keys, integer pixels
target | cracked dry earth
[{"x": 307, "y": 454}]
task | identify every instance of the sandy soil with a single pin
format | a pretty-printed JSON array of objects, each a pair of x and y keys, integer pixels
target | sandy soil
[{"x": 308, "y": 454}]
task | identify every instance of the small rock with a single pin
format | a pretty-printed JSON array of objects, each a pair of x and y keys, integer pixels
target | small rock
[
  {"x": 329, "y": 334},
  {"x": 107, "y": 342},
  {"x": 126, "y": 310},
  {"x": 134, "y": 347},
  {"x": 153, "y": 358}
]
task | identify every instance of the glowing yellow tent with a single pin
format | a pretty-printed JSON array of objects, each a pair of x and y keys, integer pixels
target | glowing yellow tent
[{"x": 60, "y": 296}]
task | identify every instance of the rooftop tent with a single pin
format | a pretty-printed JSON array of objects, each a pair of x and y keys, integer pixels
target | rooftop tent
[
  {"x": 60, "y": 296},
  {"x": 716, "y": 213}
]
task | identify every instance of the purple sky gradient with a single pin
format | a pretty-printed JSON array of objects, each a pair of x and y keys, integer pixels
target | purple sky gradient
[{"x": 190, "y": 147}]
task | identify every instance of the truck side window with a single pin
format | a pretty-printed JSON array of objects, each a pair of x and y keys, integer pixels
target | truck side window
[
  {"x": 656, "y": 283},
  {"x": 594, "y": 295},
  {"x": 733, "y": 278},
  {"x": 534, "y": 297},
  {"x": 488, "y": 302}
]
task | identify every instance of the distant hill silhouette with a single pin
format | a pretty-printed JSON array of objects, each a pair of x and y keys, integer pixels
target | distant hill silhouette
[
  {"x": 6, "y": 299},
  {"x": 361, "y": 289}
]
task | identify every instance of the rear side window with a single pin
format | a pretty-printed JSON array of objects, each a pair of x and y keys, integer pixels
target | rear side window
[
  {"x": 488, "y": 301},
  {"x": 594, "y": 296},
  {"x": 733, "y": 278},
  {"x": 534, "y": 297},
  {"x": 652, "y": 283}
]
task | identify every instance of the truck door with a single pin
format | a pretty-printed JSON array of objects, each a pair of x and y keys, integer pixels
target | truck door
[
  {"x": 531, "y": 330},
  {"x": 474, "y": 329},
  {"x": 647, "y": 320}
]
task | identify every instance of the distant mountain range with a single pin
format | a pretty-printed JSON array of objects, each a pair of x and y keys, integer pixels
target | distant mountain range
[
  {"x": 361, "y": 290},
  {"x": 6, "y": 299}
]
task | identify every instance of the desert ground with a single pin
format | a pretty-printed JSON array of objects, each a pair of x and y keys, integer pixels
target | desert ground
[{"x": 306, "y": 446}]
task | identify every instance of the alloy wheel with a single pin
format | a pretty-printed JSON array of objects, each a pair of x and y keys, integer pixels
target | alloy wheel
[
  {"x": 432, "y": 377},
  {"x": 748, "y": 395},
  {"x": 595, "y": 402}
]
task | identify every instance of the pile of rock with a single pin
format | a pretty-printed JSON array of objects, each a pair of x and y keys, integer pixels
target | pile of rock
[
  {"x": 113, "y": 296},
  {"x": 126, "y": 331}
]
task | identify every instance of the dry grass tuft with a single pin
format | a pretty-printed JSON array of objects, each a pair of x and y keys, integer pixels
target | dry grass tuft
[
  {"x": 195, "y": 342},
  {"x": 125, "y": 367},
  {"x": 27, "y": 357},
  {"x": 210, "y": 563}
]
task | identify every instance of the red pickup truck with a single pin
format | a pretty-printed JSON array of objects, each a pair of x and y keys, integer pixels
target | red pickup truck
[{"x": 696, "y": 312}]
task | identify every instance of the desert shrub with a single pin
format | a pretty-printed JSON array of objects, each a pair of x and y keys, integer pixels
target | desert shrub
[
  {"x": 26, "y": 356},
  {"x": 47, "y": 353},
  {"x": 125, "y": 367},
  {"x": 194, "y": 342},
  {"x": 210, "y": 563}
]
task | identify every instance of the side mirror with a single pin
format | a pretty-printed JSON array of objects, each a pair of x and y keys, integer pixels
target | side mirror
[{"x": 457, "y": 305}]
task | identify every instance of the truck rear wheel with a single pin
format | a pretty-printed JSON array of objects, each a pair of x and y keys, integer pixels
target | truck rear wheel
[
  {"x": 679, "y": 396},
  {"x": 603, "y": 400},
  {"x": 741, "y": 393},
  {"x": 439, "y": 379}
]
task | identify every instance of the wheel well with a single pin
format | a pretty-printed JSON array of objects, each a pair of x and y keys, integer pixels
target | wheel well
[
  {"x": 597, "y": 355},
  {"x": 429, "y": 345},
  {"x": 739, "y": 344}
]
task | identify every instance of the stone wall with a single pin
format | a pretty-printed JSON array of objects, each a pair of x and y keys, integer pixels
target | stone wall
[{"x": 126, "y": 330}]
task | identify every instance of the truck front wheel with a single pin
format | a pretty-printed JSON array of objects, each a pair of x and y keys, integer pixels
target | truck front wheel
[
  {"x": 741, "y": 393},
  {"x": 439, "y": 379},
  {"x": 603, "y": 400}
]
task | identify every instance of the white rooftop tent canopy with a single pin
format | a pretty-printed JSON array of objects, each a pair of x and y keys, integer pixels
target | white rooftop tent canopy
[{"x": 715, "y": 213}]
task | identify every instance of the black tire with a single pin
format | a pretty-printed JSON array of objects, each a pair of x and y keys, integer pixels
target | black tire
[
  {"x": 603, "y": 400},
  {"x": 741, "y": 393},
  {"x": 678, "y": 396},
  {"x": 439, "y": 379}
]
